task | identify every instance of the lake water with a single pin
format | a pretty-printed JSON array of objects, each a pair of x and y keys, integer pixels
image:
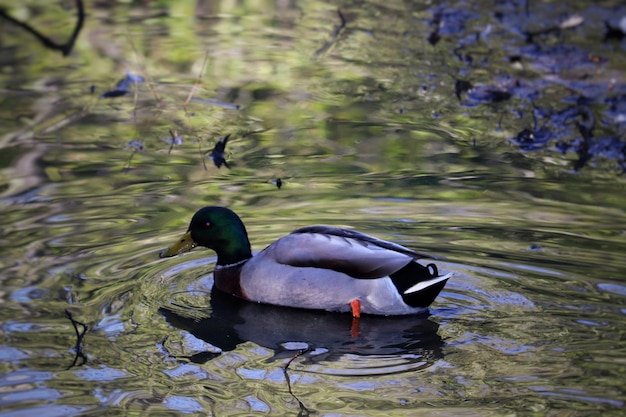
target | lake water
[{"x": 360, "y": 125}]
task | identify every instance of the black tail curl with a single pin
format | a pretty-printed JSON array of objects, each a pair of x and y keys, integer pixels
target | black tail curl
[{"x": 412, "y": 274}]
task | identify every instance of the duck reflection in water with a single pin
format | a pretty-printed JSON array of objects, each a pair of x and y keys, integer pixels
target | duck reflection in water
[{"x": 322, "y": 335}]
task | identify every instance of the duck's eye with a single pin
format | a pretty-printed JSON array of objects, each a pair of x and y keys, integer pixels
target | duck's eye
[{"x": 208, "y": 224}]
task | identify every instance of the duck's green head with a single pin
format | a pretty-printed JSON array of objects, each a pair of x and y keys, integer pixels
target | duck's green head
[{"x": 216, "y": 228}]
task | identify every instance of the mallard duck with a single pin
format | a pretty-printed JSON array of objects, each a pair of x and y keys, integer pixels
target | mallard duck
[{"x": 315, "y": 267}]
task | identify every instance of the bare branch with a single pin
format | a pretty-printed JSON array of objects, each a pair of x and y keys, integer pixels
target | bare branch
[{"x": 65, "y": 48}]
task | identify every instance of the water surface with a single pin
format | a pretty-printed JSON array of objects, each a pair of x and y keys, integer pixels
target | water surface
[{"x": 363, "y": 128}]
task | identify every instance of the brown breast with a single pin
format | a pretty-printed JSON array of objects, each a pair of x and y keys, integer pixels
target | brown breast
[{"x": 227, "y": 279}]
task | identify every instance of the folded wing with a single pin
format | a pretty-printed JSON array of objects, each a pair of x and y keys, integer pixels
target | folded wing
[{"x": 355, "y": 254}]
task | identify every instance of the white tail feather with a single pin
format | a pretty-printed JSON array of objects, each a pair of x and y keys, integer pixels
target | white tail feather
[{"x": 425, "y": 284}]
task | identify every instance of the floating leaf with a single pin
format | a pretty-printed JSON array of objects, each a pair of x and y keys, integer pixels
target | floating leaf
[
  {"x": 218, "y": 152},
  {"x": 572, "y": 22},
  {"x": 124, "y": 85},
  {"x": 136, "y": 145},
  {"x": 217, "y": 103},
  {"x": 173, "y": 140}
]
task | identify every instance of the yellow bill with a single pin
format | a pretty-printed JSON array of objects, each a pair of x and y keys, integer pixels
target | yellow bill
[{"x": 184, "y": 244}]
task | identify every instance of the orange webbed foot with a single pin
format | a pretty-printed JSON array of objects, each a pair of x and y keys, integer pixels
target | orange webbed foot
[
  {"x": 355, "y": 305},
  {"x": 356, "y": 308}
]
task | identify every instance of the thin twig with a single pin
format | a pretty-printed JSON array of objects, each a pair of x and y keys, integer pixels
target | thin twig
[
  {"x": 75, "y": 116},
  {"x": 149, "y": 80},
  {"x": 135, "y": 98},
  {"x": 303, "y": 410},
  {"x": 130, "y": 158},
  {"x": 254, "y": 132},
  {"x": 333, "y": 37},
  {"x": 79, "y": 339},
  {"x": 65, "y": 48},
  {"x": 172, "y": 142},
  {"x": 198, "y": 80},
  {"x": 201, "y": 155}
]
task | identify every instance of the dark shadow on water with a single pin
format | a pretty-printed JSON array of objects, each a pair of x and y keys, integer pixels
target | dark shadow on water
[{"x": 328, "y": 336}]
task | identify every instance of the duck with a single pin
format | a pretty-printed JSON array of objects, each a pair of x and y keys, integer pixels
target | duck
[{"x": 314, "y": 267}]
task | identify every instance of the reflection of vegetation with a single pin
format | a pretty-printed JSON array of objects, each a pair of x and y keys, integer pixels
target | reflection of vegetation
[{"x": 271, "y": 78}]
